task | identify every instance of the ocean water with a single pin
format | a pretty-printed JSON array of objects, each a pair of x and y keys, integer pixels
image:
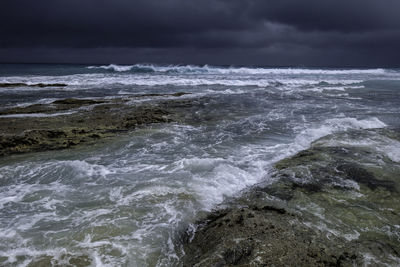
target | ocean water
[{"x": 125, "y": 202}]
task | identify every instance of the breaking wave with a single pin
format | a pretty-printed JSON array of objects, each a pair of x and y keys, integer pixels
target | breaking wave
[
  {"x": 97, "y": 79},
  {"x": 206, "y": 69}
]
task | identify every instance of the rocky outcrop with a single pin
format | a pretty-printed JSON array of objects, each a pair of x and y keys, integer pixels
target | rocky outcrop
[
  {"x": 327, "y": 206},
  {"x": 262, "y": 236},
  {"x": 69, "y": 122}
]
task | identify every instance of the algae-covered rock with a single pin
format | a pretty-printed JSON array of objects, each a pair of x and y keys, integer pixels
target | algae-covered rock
[
  {"x": 262, "y": 236},
  {"x": 334, "y": 204},
  {"x": 99, "y": 119}
]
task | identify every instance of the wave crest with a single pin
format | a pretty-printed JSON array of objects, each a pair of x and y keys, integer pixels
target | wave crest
[{"x": 206, "y": 69}]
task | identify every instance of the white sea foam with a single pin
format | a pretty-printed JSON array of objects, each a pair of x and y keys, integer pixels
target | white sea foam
[
  {"x": 112, "y": 67},
  {"x": 374, "y": 141},
  {"x": 392, "y": 150},
  {"x": 149, "y": 207},
  {"x": 214, "y": 178},
  {"x": 308, "y": 134},
  {"x": 235, "y": 70},
  {"x": 82, "y": 81},
  {"x": 88, "y": 169},
  {"x": 14, "y": 194}
]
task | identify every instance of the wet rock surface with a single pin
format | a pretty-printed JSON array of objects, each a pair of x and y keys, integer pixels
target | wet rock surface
[
  {"x": 262, "y": 236},
  {"x": 67, "y": 123},
  {"x": 329, "y": 205}
]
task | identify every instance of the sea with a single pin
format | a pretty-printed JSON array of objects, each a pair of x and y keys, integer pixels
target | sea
[{"x": 126, "y": 201}]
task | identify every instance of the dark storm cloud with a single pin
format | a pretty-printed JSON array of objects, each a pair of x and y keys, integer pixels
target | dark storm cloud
[
  {"x": 266, "y": 32},
  {"x": 332, "y": 15},
  {"x": 114, "y": 23}
]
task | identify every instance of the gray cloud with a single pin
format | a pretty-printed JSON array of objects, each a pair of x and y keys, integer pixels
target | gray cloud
[{"x": 257, "y": 32}]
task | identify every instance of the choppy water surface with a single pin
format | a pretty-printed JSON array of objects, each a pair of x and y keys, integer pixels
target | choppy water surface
[{"x": 125, "y": 202}]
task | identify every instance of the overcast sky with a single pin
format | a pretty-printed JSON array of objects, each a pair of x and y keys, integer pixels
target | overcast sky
[{"x": 358, "y": 33}]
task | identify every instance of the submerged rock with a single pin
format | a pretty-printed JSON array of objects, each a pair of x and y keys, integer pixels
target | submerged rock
[
  {"x": 357, "y": 173},
  {"x": 320, "y": 167}
]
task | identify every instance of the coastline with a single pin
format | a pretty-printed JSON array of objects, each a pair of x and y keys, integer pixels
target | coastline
[
  {"x": 268, "y": 224},
  {"x": 200, "y": 167}
]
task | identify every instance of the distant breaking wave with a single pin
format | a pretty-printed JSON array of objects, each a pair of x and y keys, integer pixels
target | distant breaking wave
[
  {"x": 123, "y": 68},
  {"x": 96, "y": 79},
  {"x": 206, "y": 69}
]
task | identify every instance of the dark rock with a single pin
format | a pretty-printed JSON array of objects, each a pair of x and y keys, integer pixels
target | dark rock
[
  {"x": 310, "y": 187},
  {"x": 49, "y": 85},
  {"x": 6, "y": 85},
  {"x": 74, "y": 101},
  {"x": 269, "y": 208},
  {"x": 179, "y": 94}
]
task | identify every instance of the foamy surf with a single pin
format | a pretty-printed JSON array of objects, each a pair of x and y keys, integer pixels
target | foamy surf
[
  {"x": 206, "y": 69},
  {"x": 127, "y": 200}
]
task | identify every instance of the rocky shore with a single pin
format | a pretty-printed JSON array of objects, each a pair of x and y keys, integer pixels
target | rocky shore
[
  {"x": 67, "y": 123},
  {"x": 336, "y": 203},
  {"x": 329, "y": 205}
]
